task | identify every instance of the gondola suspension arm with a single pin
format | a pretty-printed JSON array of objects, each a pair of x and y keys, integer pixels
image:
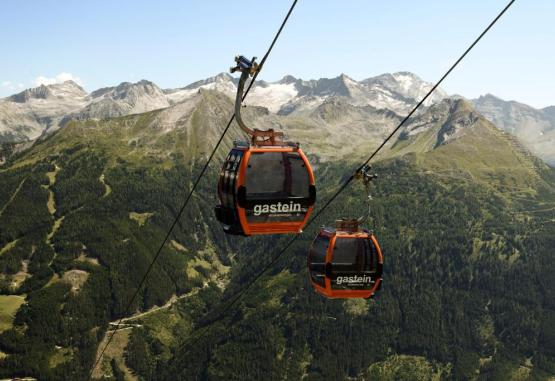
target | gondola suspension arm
[
  {"x": 366, "y": 176},
  {"x": 249, "y": 68}
]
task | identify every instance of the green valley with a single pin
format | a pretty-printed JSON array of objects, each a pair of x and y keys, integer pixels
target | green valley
[{"x": 464, "y": 214}]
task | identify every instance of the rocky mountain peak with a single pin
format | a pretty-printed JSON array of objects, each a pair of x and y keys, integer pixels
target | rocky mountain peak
[
  {"x": 489, "y": 96},
  {"x": 400, "y": 75},
  {"x": 460, "y": 117},
  {"x": 386, "y": 79},
  {"x": 458, "y": 105},
  {"x": 142, "y": 88},
  {"x": 40, "y": 92},
  {"x": 223, "y": 77},
  {"x": 217, "y": 79},
  {"x": 326, "y": 87},
  {"x": 489, "y": 101},
  {"x": 332, "y": 108},
  {"x": 287, "y": 80},
  {"x": 442, "y": 123},
  {"x": 404, "y": 87},
  {"x": 450, "y": 109},
  {"x": 345, "y": 78},
  {"x": 124, "y": 99},
  {"x": 67, "y": 89},
  {"x": 68, "y": 85}
]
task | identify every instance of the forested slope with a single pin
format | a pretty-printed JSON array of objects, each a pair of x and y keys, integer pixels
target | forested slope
[
  {"x": 466, "y": 226},
  {"x": 464, "y": 287}
]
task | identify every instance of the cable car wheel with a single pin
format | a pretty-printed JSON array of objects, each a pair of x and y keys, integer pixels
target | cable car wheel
[
  {"x": 265, "y": 186},
  {"x": 345, "y": 261}
]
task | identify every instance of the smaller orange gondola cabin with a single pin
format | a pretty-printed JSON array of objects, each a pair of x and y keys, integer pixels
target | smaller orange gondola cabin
[
  {"x": 265, "y": 189},
  {"x": 345, "y": 262}
]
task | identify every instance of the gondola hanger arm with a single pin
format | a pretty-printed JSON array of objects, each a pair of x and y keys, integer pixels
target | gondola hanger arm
[
  {"x": 249, "y": 68},
  {"x": 366, "y": 176}
]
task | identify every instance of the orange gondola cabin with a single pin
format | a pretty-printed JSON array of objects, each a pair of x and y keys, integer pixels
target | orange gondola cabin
[
  {"x": 345, "y": 262},
  {"x": 265, "y": 189}
]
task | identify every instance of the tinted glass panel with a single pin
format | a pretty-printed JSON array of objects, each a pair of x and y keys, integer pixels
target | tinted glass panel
[
  {"x": 317, "y": 259},
  {"x": 300, "y": 179},
  {"x": 266, "y": 175},
  {"x": 276, "y": 174},
  {"x": 353, "y": 264},
  {"x": 275, "y": 181},
  {"x": 228, "y": 177}
]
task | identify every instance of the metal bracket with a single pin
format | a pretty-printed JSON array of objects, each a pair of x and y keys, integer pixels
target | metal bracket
[
  {"x": 244, "y": 65},
  {"x": 348, "y": 224},
  {"x": 365, "y": 174}
]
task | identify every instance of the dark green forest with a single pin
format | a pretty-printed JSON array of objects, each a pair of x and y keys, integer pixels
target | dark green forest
[{"x": 445, "y": 297}]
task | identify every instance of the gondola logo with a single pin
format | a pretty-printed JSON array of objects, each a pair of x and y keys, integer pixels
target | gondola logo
[
  {"x": 277, "y": 208},
  {"x": 354, "y": 279}
]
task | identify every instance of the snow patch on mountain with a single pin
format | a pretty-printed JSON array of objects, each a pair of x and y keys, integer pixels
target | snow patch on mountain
[
  {"x": 401, "y": 91},
  {"x": 222, "y": 82},
  {"x": 272, "y": 96}
]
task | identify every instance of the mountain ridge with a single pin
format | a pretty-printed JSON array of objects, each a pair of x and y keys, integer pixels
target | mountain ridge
[
  {"x": 20, "y": 123},
  {"x": 35, "y": 112},
  {"x": 70, "y": 87}
]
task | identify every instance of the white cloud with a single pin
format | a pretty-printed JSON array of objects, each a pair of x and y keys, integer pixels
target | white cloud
[
  {"x": 7, "y": 84},
  {"x": 62, "y": 77}
]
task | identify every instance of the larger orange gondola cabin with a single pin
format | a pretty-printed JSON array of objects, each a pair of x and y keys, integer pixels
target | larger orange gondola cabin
[{"x": 265, "y": 189}]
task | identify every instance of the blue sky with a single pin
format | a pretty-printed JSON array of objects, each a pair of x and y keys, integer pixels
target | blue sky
[{"x": 173, "y": 43}]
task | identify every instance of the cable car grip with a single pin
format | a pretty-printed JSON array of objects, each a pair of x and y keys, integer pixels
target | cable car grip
[
  {"x": 365, "y": 174},
  {"x": 243, "y": 64}
]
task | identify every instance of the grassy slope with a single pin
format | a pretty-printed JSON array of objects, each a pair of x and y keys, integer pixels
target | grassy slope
[{"x": 10, "y": 304}]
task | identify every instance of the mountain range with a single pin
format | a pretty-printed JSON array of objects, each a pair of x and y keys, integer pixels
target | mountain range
[
  {"x": 28, "y": 115},
  {"x": 463, "y": 211}
]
